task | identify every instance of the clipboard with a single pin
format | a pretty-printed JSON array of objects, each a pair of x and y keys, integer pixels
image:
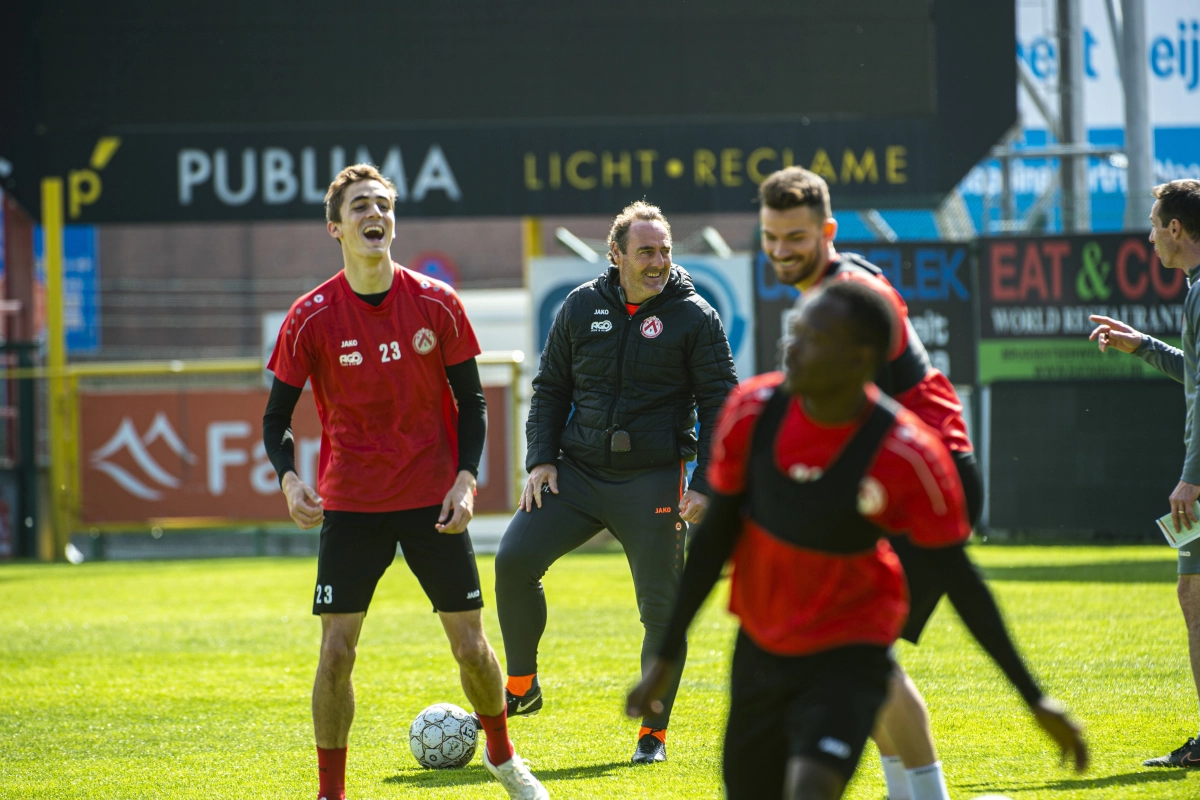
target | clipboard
[{"x": 1177, "y": 540}]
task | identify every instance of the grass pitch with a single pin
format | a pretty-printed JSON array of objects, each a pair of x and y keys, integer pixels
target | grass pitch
[{"x": 192, "y": 680}]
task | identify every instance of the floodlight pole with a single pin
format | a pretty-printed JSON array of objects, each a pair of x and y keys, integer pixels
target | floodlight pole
[
  {"x": 56, "y": 362},
  {"x": 1139, "y": 138},
  {"x": 1072, "y": 168}
]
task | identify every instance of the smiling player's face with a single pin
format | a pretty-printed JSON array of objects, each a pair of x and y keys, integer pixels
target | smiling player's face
[
  {"x": 797, "y": 241},
  {"x": 368, "y": 220}
]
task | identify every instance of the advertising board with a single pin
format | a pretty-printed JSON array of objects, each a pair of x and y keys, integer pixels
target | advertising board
[
  {"x": 1036, "y": 294},
  {"x": 81, "y": 285},
  {"x": 896, "y": 105},
  {"x": 197, "y": 453},
  {"x": 1171, "y": 53},
  {"x": 505, "y": 169},
  {"x": 934, "y": 278}
]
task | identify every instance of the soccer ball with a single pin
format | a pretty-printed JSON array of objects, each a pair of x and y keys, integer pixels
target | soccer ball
[{"x": 443, "y": 736}]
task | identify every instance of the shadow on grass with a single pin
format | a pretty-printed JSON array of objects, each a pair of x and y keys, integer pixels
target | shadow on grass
[
  {"x": 477, "y": 773},
  {"x": 1102, "y": 572},
  {"x": 1148, "y": 775}
]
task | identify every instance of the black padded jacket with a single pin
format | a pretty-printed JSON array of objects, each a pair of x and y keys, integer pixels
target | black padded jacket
[{"x": 651, "y": 375}]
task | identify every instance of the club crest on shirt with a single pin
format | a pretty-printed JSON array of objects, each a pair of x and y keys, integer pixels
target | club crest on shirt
[
  {"x": 652, "y": 327},
  {"x": 872, "y": 497},
  {"x": 424, "y": 341}
]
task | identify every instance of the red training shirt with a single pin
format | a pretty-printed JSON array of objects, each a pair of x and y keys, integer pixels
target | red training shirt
[
  {"x": 793, "y": 600},
  {"x": 933, "y": 400},
  {"x": 388, "y": 420}
]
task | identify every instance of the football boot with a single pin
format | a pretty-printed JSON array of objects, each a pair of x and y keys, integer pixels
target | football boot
[
  {"x": 1186, "y": 756},
  {"x": 650, "y": 750}
]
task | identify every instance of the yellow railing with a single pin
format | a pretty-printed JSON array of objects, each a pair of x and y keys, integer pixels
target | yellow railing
[{"x": 64, "y": 427}]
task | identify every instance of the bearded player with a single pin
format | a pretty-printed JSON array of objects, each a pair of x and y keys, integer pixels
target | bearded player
[
  {"x": 798, "y": 230},
  {"x": 813, "y": 470},
  {"x": 388, "y": 352}
]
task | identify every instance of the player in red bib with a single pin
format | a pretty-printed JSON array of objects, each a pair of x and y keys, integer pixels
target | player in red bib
[
  {"x": 812, "y": 471},
  {"x": 389, "y": 352},
  {"x": 798, "y": 231}
]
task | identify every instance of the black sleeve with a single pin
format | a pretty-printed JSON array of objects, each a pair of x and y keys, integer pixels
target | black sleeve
[
  {"x": 977, "y": 608},
  {"x": 712, "y": 375},
  {"x": 472, "y": 413},
  {"x": 711, "y": 547},
  {"x": 550, "y": 405},
  {"x": 277, "y": 427}
]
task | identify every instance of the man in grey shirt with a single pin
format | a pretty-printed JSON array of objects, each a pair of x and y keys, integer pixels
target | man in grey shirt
[{"x": 1175, "y": 232}]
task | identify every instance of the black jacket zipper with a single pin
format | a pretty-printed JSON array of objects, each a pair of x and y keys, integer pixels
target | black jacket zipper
[{"x": 612, "y": 410}]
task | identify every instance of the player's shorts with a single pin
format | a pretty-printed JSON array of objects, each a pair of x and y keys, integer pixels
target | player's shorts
[
  {"x": 357, "y": 548},
  {"x": 1189, "y": 558},
  {"x": 821, "y": 706}
]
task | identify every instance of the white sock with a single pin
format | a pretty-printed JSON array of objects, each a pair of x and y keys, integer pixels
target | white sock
[
  {"x": 896, "y": 778},
  {"x": 928, "y": 783}
]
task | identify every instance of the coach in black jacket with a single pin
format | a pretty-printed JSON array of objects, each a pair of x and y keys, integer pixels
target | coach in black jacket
[{"x": 633, "y": 359}]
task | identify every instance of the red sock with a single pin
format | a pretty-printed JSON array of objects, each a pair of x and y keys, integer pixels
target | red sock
[
  {"x": 331, "y": 764},
  {"x": 499, "y": 747}
]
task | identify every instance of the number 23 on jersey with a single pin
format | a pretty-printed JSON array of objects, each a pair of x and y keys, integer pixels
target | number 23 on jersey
[{"x": 389, "y": 352}]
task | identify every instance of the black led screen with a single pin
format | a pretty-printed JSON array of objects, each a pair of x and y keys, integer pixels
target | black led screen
[{"x": 225, "y": 61}]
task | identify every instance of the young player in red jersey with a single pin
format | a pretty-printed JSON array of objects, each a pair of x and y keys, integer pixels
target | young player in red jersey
[
  {"x": 388, "y": 352},
  {"x": 798, "y": 230},
  {"x": 812, "y": 470}
]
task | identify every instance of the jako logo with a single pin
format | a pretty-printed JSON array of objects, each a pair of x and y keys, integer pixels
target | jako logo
[
  {"x": 602, "y": 311},
  {"x": 126, "y": 438},
  {"x": 351, "y": 359},
  {"x": 602, "y": 326},
  {"x": 354, "y": 343}
]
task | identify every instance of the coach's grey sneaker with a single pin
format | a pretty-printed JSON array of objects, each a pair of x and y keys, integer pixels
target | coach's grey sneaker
[
  {"x": 516, "y": 779},
  {"x": 1187, "y": 756},
  {"x": 650, "y": 750}
]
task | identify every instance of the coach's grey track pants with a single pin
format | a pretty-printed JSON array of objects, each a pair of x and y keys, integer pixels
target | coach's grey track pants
[{"x": 641, "y": 511}]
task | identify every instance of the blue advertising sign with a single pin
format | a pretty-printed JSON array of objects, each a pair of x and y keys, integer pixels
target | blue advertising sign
[
  {"x": 1171, "y": 52},
  {"x": 934, "y": 278},
  {"x": 81, "y": 285}
]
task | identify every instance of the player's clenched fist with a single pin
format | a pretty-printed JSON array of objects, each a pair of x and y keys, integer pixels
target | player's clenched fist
[{"x": 304, "y": 505}]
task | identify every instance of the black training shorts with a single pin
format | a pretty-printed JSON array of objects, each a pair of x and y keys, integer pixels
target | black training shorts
[
  {"x": 356, "y": 549},
  {"x": 821, "y": 706}
]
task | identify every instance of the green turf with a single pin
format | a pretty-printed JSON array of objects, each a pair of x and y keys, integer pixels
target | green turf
[{"x": 192, "y": 679}]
